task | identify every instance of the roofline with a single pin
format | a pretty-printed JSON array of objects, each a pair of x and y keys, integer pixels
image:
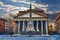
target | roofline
[{"x": 57, "y": 16}]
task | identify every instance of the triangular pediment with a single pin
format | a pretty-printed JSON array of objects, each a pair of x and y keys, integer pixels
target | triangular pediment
[{"x": 32, "y": 14}]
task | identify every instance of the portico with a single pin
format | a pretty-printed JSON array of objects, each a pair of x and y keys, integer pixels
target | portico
[{"x": 38, "y": 23}]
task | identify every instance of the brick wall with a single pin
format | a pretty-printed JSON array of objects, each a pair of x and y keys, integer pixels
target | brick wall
[{"x": 2, "y": 25}]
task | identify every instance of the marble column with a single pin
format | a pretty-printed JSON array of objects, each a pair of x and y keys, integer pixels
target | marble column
[
  {"x": 18, "y": 27},
  {"x": 23, "y": 26},
  {"x": 28, "y": 27},
  {"x": 37, "y": 26},
  {"x": 42, "y": 27},
  {"x": 32, "y": 26},
  {"x": 46, "y": 27}
]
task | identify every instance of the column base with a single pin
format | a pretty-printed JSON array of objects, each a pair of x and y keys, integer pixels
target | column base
[
  {"x": 16, "y": 35},
  {"x": 45, "y": 34},
  {"x": 37, "y": 30},
  {"x": 18, "y": 32}
]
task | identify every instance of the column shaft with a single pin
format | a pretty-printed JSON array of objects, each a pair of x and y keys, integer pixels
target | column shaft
[
  {"x": 23, "y": 26},
  {"x": 28, "y": 27},
  {"x": 18, "y": 27},
  {"x": 42, "y": 27},
  {"x": 37, "y": 26},
  {"x": 46, "y": 28}
]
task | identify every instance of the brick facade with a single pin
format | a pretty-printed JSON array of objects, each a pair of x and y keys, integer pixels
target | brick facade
[{"x": 2, "y": 25}]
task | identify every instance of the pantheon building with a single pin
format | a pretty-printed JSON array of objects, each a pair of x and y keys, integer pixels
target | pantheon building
[{"x": 31, "y": 22}]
